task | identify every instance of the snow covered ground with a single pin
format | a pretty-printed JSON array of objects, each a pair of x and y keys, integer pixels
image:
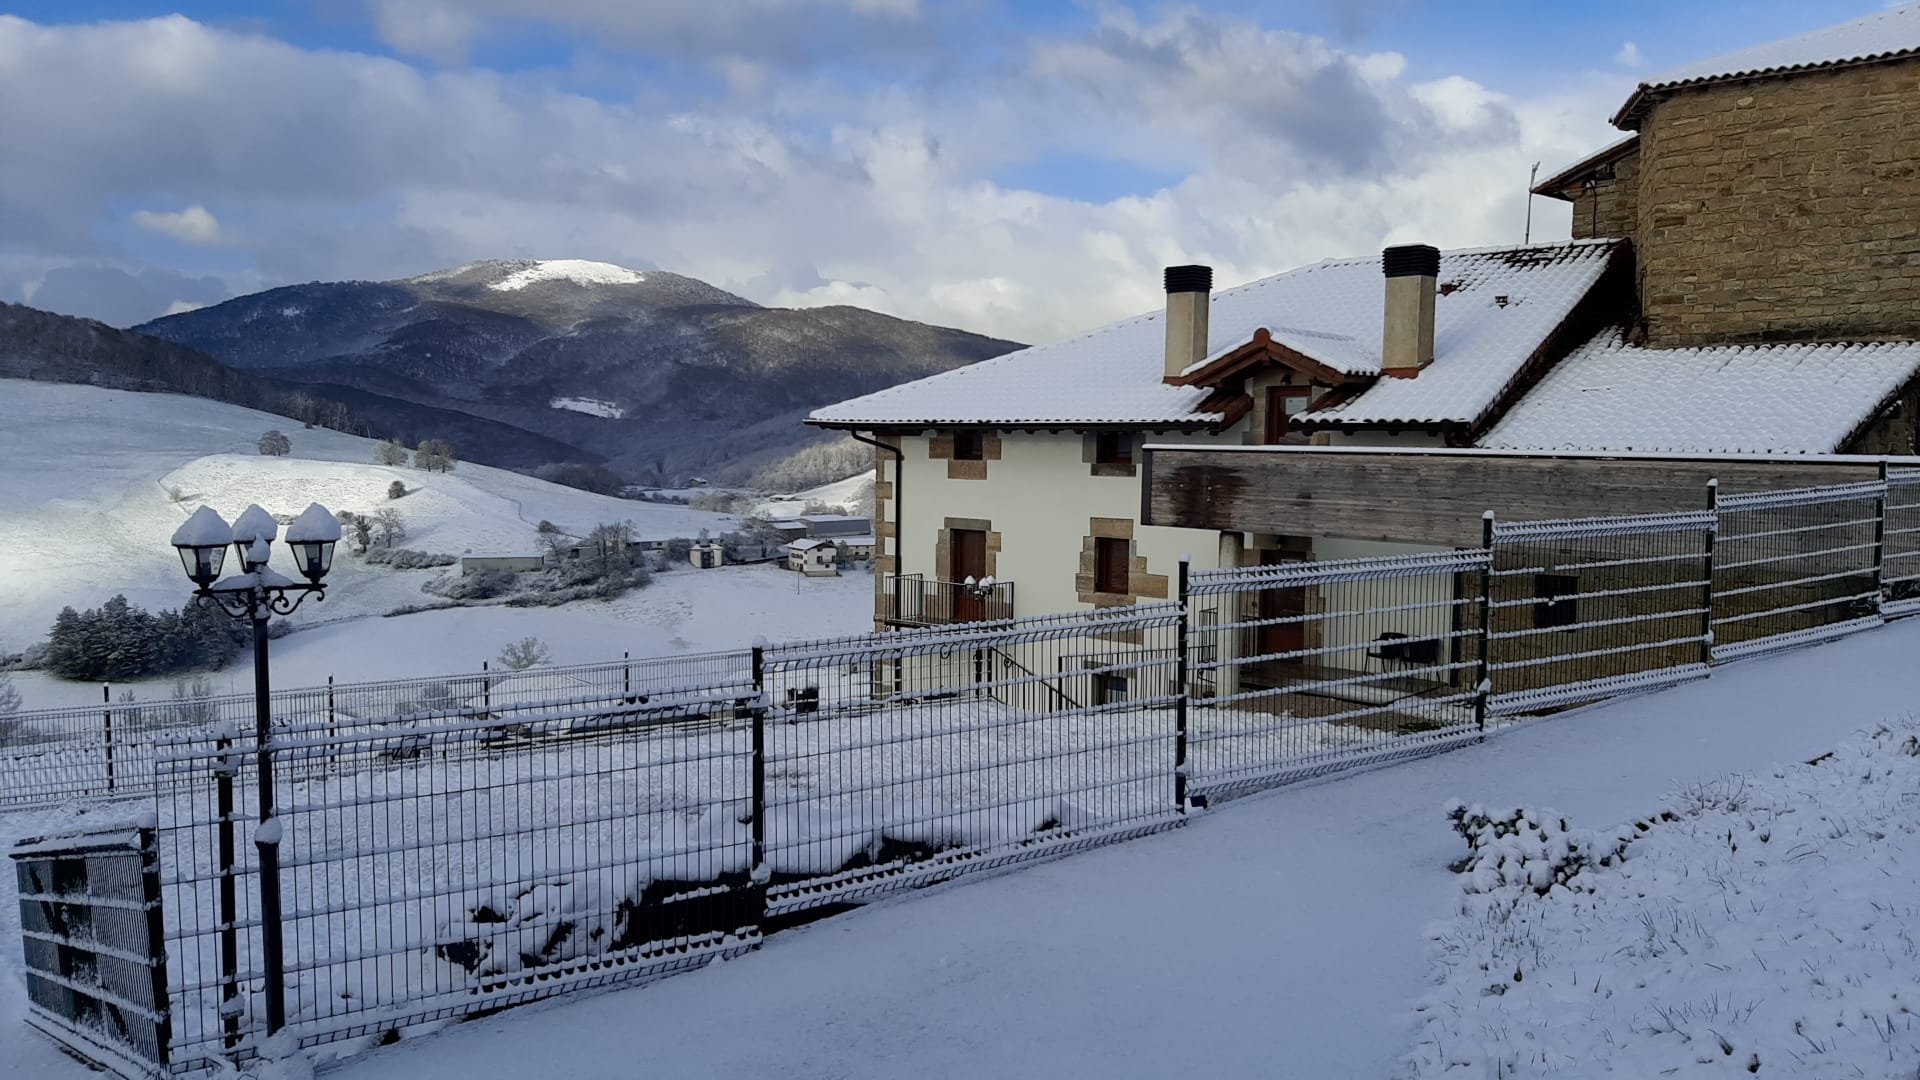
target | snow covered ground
[
  {"x": 1280, "y": 935},
  {"x": 839, "y": 493},
  {"x": 85, "y": 513}
]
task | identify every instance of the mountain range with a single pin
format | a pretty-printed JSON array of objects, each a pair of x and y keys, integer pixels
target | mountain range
[{"x": 659, "y": 375}]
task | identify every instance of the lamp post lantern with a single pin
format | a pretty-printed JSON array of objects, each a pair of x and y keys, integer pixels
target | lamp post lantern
[{"x": 258, "y": 593}]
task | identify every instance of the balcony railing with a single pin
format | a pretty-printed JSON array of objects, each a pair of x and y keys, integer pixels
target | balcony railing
[{"x": 915, "y": 600}]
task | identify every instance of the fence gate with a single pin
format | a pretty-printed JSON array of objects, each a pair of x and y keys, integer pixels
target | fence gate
[
  {"x": 1794, "y": 567},
  {"x": 1584, "y": 608},
  {"x": 1900, "y": 555},
  {"x": 1305, "y": 667}
]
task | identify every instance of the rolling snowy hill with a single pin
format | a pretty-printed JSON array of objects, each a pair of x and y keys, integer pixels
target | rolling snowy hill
[{"x": 86, "y": 511}]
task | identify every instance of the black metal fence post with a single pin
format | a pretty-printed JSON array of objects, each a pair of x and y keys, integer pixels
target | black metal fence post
[
  {"x": 1706, "y": 587},
  {"x": 758, "y": 713},
  {"x": 486, "y": 689},
  {"x": 223, "y": 770},
  {"x": 273, "y": 959},
  {"x": 1180, "y": 689},
  {"x": 106, "y": 726},
  {"x": 1483, "y": 686},
  {"x": 626, "y": 676},
  {"x": 1880, "y": 540}
]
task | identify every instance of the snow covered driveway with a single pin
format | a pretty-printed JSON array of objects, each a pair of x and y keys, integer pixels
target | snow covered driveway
[{"x": 1282, "y": 935}]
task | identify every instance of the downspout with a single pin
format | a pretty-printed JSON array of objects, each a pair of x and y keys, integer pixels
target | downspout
[{"x": 899, "y": 528}]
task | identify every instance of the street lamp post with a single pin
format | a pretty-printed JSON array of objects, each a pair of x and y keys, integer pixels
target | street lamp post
[{"x": 257, "y": 593}]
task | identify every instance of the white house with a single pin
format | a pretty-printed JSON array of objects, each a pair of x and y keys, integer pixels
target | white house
[
  {"x": 814, "y": 557},
  {"x": 706, "y": 555}
]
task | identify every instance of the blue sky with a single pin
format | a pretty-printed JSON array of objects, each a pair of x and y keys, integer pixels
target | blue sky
[{"x": 1020, "y": 168}]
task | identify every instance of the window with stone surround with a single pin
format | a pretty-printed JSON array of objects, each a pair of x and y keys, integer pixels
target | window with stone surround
[
  {"x": 1113, "y": 565},
  {"x": 969, "y": 444},
  {"x": 1113, "y": 448}
]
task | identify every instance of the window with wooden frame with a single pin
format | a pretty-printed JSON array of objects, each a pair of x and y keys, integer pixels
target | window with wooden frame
[
  {"x": 1112, "y": 565},
  {"x": 970, "y": 444},
  {"x": 1113, "y": 448},
  {"x": 1284, "y": 403},
  {"x": 1558, "y": 600}
]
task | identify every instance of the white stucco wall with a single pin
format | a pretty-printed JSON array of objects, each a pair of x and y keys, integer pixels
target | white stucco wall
[{"x": 1039, "y": 497}]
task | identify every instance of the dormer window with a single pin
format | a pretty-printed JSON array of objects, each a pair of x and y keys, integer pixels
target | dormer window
[
  {"x": 970, "y": 444},
  {"x": 1284, "y": 403}
]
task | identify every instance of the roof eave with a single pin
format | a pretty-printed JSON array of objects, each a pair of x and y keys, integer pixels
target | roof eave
[{"x": 908, "y": 427}]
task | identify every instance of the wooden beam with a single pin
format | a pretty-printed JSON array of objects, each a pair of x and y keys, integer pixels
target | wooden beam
[{"x": 1439, "y": 498}]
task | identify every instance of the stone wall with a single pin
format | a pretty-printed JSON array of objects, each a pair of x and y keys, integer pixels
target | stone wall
[
  {"x": 1611, "y": 207},
  {"x": 1785, "y": 208}
]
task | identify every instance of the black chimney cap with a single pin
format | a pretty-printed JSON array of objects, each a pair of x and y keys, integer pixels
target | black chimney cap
[
  {"x": 1411, "y": 260},
  {"x": 1189, "y": 279}
]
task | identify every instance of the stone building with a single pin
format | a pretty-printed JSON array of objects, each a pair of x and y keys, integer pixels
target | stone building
[{"x": 1771, "y": 194}]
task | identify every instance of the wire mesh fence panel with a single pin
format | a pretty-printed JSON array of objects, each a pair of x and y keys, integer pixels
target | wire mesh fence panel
[
  {"x": 1303, "y": 667},
  {"x": 1580, "y": 609},
  {"x": 108, "y": 750},
  {"x": 1900, "y": 569},
  {"x": 434, "y": 865},
  {"x": 205, "y": 809},
  {"x": 1791, "y": 567},
  {"x": 893, "y": 760}
]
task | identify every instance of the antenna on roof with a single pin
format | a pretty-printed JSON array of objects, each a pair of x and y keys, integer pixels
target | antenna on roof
[{"x": 1531, "y": 177}]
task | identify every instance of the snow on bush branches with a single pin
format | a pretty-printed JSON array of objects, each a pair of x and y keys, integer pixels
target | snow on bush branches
[
  {"x": 1532, "y": 849},
  {"x": 1763, "y": 926}
]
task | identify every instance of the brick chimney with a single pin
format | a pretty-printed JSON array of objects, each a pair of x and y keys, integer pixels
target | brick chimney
[
  {"x": 1413, "y": 271},
  {"x": 1189, "y": 293}
]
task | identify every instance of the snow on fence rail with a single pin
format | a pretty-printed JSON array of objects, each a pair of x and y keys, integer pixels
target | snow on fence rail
[{"x": 457, "y": 844}]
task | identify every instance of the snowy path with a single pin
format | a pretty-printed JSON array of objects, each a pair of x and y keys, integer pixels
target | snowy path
[{"x": 1279, "y": 936}]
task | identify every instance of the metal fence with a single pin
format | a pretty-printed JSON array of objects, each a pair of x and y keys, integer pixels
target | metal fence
[
  {"x": 453, "y": 845},
  {"x": 1303, "y": 667},
  {"x": 457, "y": 861},
  {"x": 107, "y": 751}
]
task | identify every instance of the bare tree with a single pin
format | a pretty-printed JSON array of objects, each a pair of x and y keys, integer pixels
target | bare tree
[
  {"x": 434, "y": 455},
  {"x": 390, "y": 452},
  {"x": 389, "y": 526},
  {"x": 274, "y": 444},
  {"x": 525, "y": 653}
]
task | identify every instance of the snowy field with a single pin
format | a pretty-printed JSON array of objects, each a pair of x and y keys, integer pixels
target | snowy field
[
  {"x": 87, "y": 486},
  {"x": 1286, "y": 934},
  {"x": 88, "y": 479}
]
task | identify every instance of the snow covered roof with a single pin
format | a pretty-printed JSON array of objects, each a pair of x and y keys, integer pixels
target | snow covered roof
[
  {"x": 1556, "y": 186},
  {"x": 1789, "y": 398},
  {"x": 810, "y": 543},
  {"x": 1502, "y": 304},
  {"x": 1882, "y": 35}
]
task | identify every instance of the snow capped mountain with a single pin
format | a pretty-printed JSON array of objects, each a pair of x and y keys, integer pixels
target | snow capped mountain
[
  {"x": 577, "y": 271},
  {"x": 684, "y": 378}
]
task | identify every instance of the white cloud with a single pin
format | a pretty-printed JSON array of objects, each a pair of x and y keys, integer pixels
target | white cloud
[
  {"x": 194, "y": 225},
  {"x": 181, "y": 307},
  {"x": 1283, "y": 149},
  {"x": 435, "y": 29},
  {"x": 1629, "y": 56}
]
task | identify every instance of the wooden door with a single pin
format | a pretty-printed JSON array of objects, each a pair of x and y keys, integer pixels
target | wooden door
[
  {"x": 967, "y": 558},
  {"x": 1280, "y": 604}
]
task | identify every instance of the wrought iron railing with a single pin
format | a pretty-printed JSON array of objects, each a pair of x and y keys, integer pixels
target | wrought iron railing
[{"x": 916, "y": 600}]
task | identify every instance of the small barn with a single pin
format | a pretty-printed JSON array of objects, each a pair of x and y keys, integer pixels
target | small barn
[
  {"x": 814, "y": 557},
  {"x": 835, "y": 526},
  {"x": 706, "y": 555}
]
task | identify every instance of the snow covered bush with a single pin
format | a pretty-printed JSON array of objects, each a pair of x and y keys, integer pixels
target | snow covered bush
[
  {"x": 1762, "y": 927},
  {"x": 408, "y": 558},
  {"x": 1532, "y": 849},
  {"x": 397, "y": 489},
  {"x": 479, "y": 585}
]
